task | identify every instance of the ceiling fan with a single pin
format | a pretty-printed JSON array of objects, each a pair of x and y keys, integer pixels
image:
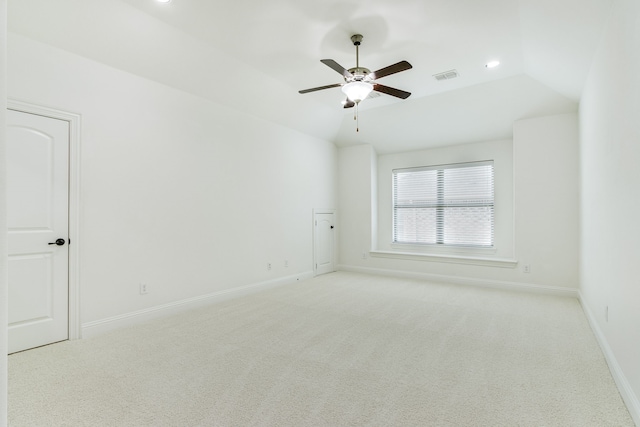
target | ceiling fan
[{"x": 359, "y": 82}]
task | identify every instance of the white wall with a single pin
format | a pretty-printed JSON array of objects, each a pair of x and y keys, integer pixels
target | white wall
[
  {"x": 184, "y": 194},
  {"x": 610, "y": 197},
  {"x": 544, "y": 155},
  {"x": 3, "y": 219},
  {"x": 546, "y": 164},
  {"x": 356, "y": 231}
]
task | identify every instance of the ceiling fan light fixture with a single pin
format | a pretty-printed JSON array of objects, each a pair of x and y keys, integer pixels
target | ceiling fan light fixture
[{"x": 357, "y": 91}]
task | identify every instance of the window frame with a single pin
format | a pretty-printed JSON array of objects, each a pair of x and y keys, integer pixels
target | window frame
[{"x": 441, "y": 206}]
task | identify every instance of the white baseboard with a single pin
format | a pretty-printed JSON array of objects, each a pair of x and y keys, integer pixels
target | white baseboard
[
  {"x": 627, "y": 393},
  {"x": 467, "y": 281},
  {"x": 97, "y": 327}
]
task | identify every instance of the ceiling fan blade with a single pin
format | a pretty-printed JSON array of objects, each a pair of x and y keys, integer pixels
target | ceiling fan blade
[
  {"x": 391, "y": 69},
  {"x": 349, "y": 104},
  {"x": 335, "y": 66},
  {"x": 391, "y": 91},
  {"x": 313, "y": 89}
]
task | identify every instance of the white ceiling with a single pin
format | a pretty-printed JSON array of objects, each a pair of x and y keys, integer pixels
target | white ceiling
[{"x": 254, "y": 55}]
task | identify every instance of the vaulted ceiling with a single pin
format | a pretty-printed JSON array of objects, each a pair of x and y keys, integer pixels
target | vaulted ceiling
[{"x": 254, "y": 55}]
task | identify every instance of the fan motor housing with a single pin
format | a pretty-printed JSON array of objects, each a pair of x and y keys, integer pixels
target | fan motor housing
[{"x": 359, "y": 74}]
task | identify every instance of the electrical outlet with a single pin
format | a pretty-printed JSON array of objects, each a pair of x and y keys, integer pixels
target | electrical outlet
[
  {"x": 526, "y": 268},
  {"x": 364, "y": 255},
  {"x": 606, "y": 314},
  {"x": 144, "y": 289},
  {"x": 268, "y": 266},
  {"x": 286, "y": 263}
]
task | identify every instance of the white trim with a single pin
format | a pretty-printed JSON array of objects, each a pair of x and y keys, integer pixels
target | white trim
[
  {"x": 457, "y": 259},
  {"x": 74, "y": 201},
  {"x": 97, "y": 327},
  {"x": 625, "y": 389},
  {"x": 467, "y": 281}
]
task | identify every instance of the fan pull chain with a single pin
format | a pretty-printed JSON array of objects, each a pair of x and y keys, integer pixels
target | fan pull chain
[{"x": 357, "y": 118}]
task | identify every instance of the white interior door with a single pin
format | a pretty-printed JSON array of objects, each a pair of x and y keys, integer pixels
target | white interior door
[
  {"x": 37, "y": 216},
  {"x": 324, "y": 242}
]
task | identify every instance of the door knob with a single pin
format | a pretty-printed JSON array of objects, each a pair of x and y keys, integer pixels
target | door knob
[{"x": 58, "y": 242}]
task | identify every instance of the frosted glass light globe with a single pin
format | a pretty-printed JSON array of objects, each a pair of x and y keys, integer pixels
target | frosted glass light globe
[{"x": 357, "y": 91}]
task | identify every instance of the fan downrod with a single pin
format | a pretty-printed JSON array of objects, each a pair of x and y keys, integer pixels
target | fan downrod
[{"x": 358, "y": 72}]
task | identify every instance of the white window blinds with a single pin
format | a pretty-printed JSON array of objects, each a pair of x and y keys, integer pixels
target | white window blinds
[{"x": 444, "y": 205}]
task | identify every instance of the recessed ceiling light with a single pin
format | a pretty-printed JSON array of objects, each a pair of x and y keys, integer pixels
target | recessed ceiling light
[
  {"x": 163, "y": 1},
  {"x": 492, "y": 64}
]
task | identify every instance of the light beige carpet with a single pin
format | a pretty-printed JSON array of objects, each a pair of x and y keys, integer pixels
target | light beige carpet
[{"x": 341, "y": 349}]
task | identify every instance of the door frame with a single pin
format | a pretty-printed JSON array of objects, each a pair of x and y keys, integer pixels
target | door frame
[
  {"x": 74, "y": 121},
  {"x": 315, "y": 238}
]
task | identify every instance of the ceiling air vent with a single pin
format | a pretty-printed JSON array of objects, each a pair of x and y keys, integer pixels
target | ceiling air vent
[{"x": 446, "y": 75}]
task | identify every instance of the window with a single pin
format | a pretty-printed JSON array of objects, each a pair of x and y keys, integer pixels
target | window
[{"x": 444, "y": 205}]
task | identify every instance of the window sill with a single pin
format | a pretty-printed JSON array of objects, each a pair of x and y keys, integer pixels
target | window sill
[{"x": 455, "y": 259}]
